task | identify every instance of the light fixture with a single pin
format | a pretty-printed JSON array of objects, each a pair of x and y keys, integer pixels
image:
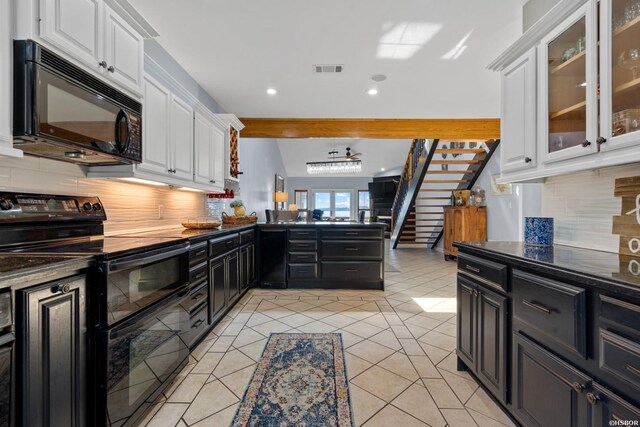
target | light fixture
[
  {"x": 279, "y": 197},
  {"x": 378, "y": 77},
  {"x": 195, "y": 190},
  {"x": 334, "y": 166},
  {"x": 143, "y": 181},
  {"x": 372, "y": 91},
  {"x": 382, "y": 169},
  {"x": 271, "y": 91}
]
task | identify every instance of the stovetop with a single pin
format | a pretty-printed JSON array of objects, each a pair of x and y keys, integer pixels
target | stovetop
[{"x": 98, "y": 246}]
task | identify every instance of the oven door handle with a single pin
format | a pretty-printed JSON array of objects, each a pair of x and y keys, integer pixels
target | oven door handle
[
  {"x": 148, "y": 313},
  {"x": 137, "y": 262}
]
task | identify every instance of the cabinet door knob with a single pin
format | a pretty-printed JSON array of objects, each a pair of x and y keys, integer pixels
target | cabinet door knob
[
  {"x": 601, "y": 140},
  {"x": 63, "y": 289},
  {"x": 592, "y": 399},
  {"x": 586, "y": 143},
  {"x": 527, "y": 159},
  {"x": 103, "y": 64},
  {"x": 579, "y": 388},
  {"x": 111, "y": 69}
]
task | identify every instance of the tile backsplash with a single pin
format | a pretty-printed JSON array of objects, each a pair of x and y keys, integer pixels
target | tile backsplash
[
  {"x": 583, "y": 206},
  {"x": 128, "y": 206}
]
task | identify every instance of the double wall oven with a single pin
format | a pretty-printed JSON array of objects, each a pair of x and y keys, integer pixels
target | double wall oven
[{"x": 138, "y": 300}]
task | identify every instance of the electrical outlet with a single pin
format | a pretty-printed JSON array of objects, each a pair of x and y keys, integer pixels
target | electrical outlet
[{"x": 160, "y": 211}]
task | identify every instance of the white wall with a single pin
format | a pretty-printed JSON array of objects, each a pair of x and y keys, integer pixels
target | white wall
[
  {"x": 260, "y": 161},
  {"x": 583, "y": 206}
]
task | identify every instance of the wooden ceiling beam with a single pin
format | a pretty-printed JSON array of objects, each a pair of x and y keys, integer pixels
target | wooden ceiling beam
[{"x": 443, "y": 129}]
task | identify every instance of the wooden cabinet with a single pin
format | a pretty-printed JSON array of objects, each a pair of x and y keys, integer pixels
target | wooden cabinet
[
  {"x": 609, "y": 409},
  {"x": 155, "y": 124},
  {"x": 208, "y": 150},
  {"x": 463, "y": 224},
  {"x": 481, "y": 334},
  {"x": 588, "y": 91},
  {"x": 52, "y": 349},
  {"x": 181, "y": 143},
  {"x": 247, "y": 266},
  {"x": 233, "y": 277},
  {"x": 232, "y": 129},
  {"x": 224, "y": 275},
  {"x": 217, "y": 292},
  {"x": 6, "y": 81},
  {"x": 93, "y": 33},
  {"x": 540, "y": 378},
  {"x": 518, "y": 114},
  {"x": 123, "y": 51}
]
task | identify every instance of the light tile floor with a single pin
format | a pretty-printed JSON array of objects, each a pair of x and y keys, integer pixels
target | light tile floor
[{"x": 399, "y": 348}]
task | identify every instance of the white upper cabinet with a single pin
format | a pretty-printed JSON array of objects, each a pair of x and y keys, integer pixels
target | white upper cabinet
[
  {"x": 101, "y": 35},
  {"x": 6, "y": 82},
  {"x": 208, "y": 149},
  {"x": 619, "y": 75},
  {"x": 568, "y": 72},
  {"x": 181, "y": 139},
  {"x": 518, "y": 117},
  {"x": 123, "y": 51},
  {"x": 74, "y": 26},
  {"x": 155, "y": 127},
  {"x": 587, "y": 93}
]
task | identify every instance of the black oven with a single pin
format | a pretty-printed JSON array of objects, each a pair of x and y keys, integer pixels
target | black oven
[
  {"x": 65, "y": 113},
  {"x": 143, "y": 329}
]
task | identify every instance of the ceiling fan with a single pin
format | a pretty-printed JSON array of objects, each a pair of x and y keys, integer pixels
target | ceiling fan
[{"x": 348, "y": 156}]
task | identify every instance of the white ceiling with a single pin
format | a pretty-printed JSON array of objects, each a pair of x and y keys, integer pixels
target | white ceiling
[
  {"x": 434, "y": 53},
  {"x": 376, "y": 154}
]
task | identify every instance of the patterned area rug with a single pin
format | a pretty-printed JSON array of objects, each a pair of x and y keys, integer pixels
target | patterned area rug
[{"x": 300, "y": 381}]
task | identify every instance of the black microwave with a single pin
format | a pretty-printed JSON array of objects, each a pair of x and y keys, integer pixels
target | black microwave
[{"x": 64, "y": 113}]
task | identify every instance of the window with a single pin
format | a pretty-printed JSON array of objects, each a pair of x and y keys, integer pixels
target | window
[
  {"x": 363, "y": 203},
  {"x": 334, "y": 203},
  {"x": 301, "y": 199}
]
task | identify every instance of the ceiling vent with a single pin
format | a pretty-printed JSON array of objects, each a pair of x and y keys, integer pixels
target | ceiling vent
[{"x": 328, "y": 68}]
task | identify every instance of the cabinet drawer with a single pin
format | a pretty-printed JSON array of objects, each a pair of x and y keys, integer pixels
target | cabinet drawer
[
  {"x": 295, "y": 257},
  {"x": 198, "y": 274},
  {"x": 619, "y": 312},
  {"x": 199, "y": 294},
  {"x": 612, "y": 409},
  {"x": 303, "y": 245},
  {"x": 345, "y": 271},
  {"x": 247, "y": 236},
  {"x": 198, "y": 324},
  {"x": 353, "y": 233},
  {"x": 488, "y": 272},
  {"x": 223, "y": 244},
  {"x": 553, "y": 310},
  {"x": 303, "y": 271},
  {"x": 198, "y": 254},
  {"x": 619, "y": 357},
  {"x": 351, "y": 249},
  {"x": 305, "y": 234}
]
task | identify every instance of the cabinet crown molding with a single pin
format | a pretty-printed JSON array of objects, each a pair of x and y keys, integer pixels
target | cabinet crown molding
[
  {"x": 533, "y": 35},
  {"x": 133, "y": 17},
  {"x": 233, "y": 120}
]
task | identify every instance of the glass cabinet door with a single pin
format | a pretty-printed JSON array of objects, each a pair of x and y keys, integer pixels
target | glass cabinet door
[
  {"x": 569, "y": 85},
  {"x": 620, "y": 34}
]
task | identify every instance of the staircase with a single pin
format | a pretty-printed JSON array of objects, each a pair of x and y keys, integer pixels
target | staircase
[{"x": 434, "y": 169}]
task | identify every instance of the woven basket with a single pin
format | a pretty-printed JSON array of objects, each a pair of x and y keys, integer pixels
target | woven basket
[{"x": 239, "y": 220}]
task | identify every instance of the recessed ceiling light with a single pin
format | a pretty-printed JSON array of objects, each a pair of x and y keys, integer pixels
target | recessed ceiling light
[
  {"x": 372, "y": 91},
  {"x": 271, "y": 91},
  {"x": 378, "y": 77},
  {"x": 382, "y": 169}
]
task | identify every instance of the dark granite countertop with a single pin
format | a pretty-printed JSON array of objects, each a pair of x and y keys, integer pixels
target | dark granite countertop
[
  {"x": 17, "y": 269},
  {"x": 323, "y": 224},
  {"x": 587, "y": 266}
]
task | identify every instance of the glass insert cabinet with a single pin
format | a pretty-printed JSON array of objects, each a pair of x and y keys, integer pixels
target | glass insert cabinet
[{"x": 589, "y": 81}]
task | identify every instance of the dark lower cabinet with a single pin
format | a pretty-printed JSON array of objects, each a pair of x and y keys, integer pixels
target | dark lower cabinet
[
  {"x": 609, "y": 409},
  {"x": 233, "y": 276},
  {"x": 217, "y": 283},
  {"x": 482, "y": 344},
  {"x": 546, "y": 390},
  {"x": 52, "y": 339},
  {"x": 247, "y": 266}
]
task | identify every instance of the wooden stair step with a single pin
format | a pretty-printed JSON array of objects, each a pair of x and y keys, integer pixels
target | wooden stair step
[
  {"x": 416, "y": 233},
  {"x": 451, "y": 172},
  {"x": 425, "y": 219},
  {"x": 437, "y": 190},
  {"x": 443, "y": 181},
  {"x": 460, "y": 150},
  {"x": 429, "y": 206},
  {"x": 433, "y": 198},
  {"x": 455, "y": 162}
]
